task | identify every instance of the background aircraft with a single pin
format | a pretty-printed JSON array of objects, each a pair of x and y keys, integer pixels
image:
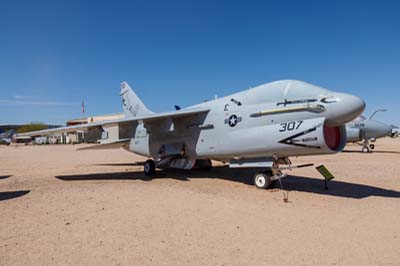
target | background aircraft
[
  {"x": 257, "y": 128},
  {"x": 6, "y": 137},
  {"x": 395, "y": 131},
  {"x": 367, "y": 130}
]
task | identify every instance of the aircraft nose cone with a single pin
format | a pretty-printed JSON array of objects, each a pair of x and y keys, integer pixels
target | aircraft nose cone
[
  {"x": 355, "y": 105},
  {"x": 377, "y": 129},
  {"x": 347, "y": 108},
  {"x": 387, "y": 130}
]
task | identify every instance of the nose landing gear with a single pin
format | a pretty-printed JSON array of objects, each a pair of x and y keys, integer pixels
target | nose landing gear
[
  {"x": 268, "y": 178},
  {"x": 372, "y": 146},
  {"x": 367, "y": 147},
  {"x": 263, "y": 179}
]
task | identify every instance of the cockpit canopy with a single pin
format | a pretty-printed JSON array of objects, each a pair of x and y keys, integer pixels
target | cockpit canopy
[{"x": 284, "y": 89}]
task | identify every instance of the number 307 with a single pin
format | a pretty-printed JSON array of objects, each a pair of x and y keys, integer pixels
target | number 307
[{"x": 290, "y": 126}]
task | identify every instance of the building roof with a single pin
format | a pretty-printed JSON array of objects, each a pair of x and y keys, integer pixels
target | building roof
[{"x": 92, "y": 119}]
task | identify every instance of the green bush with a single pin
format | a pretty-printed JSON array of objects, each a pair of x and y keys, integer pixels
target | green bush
[{"x": 31, "y": 127}]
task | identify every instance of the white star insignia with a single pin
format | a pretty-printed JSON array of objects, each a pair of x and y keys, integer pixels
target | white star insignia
[{"x": 232, "y": 121}]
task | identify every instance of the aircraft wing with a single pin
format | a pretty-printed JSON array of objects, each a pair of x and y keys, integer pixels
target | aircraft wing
[{"x": 145, "y": 118}]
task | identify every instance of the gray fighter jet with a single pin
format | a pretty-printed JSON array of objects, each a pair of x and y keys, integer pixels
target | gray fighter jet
[
  {"x": 257, "y": 128},
  {"x": 365, "y": 130}
]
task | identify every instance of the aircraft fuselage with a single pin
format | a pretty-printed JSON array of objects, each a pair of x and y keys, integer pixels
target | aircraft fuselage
[{"x": 280, "y": 119}]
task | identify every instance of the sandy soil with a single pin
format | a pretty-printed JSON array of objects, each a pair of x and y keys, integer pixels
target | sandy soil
[{"x": 60, "y": 206}]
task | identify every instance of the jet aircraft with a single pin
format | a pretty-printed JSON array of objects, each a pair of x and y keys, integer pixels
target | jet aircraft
[
  {"x": 366, "y": 130},
  {"x": 257, "y": 128}
]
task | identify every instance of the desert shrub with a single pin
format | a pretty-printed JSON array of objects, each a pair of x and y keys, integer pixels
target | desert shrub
[{"x": 32, "y": 127}]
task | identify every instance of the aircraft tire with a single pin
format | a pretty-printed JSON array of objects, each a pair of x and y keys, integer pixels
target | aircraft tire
[
  {"x": 263, "y": 180},
  {"x": 149, "y": 168},
  {"x": 204, "y": 165},
  {"x": 365, "y": 149},
  {"x": 372, "y": 146}
]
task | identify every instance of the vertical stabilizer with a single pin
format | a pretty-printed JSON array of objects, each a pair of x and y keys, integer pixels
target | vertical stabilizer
[{"x": 131, "y": 103}]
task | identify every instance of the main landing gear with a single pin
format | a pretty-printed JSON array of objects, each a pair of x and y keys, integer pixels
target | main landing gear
[{"x": 149, "y": 168}]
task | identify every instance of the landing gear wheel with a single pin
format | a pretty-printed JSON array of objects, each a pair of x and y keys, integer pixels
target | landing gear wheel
[
  {"x": 149, "y": 168},
  {"x": 263, "y": 179},
  {"x": 372, "y": 146},
  {"x": 365, "y": 149},
  {"x": 205, "y": 165}
]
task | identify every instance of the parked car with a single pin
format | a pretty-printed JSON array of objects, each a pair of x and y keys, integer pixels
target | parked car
[{"x": 41, "y": 140}]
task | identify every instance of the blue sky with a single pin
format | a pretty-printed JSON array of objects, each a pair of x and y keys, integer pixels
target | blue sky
[{"x": 54, "y": 54}]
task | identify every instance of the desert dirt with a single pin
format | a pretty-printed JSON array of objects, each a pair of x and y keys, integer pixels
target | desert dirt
[{"x": 60, "y": 206}]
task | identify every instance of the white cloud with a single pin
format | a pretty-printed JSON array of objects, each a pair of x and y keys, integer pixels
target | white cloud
[{"x": 21, "y": 97}]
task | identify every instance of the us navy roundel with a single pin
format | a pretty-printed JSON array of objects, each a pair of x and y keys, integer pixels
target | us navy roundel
[{"x": 233, "y": 120}]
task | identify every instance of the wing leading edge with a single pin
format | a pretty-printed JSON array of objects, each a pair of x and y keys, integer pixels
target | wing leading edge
[{"x": 145, "y": 118}]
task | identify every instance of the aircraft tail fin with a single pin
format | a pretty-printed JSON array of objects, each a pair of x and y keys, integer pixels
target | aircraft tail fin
[{"x": 131, "y": 103}]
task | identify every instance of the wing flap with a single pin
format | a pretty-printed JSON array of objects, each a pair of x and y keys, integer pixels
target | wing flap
[{"x": 107, "y": 146}]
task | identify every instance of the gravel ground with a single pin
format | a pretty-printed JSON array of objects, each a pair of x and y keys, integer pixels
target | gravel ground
[{"x": 60, "y": 206}]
